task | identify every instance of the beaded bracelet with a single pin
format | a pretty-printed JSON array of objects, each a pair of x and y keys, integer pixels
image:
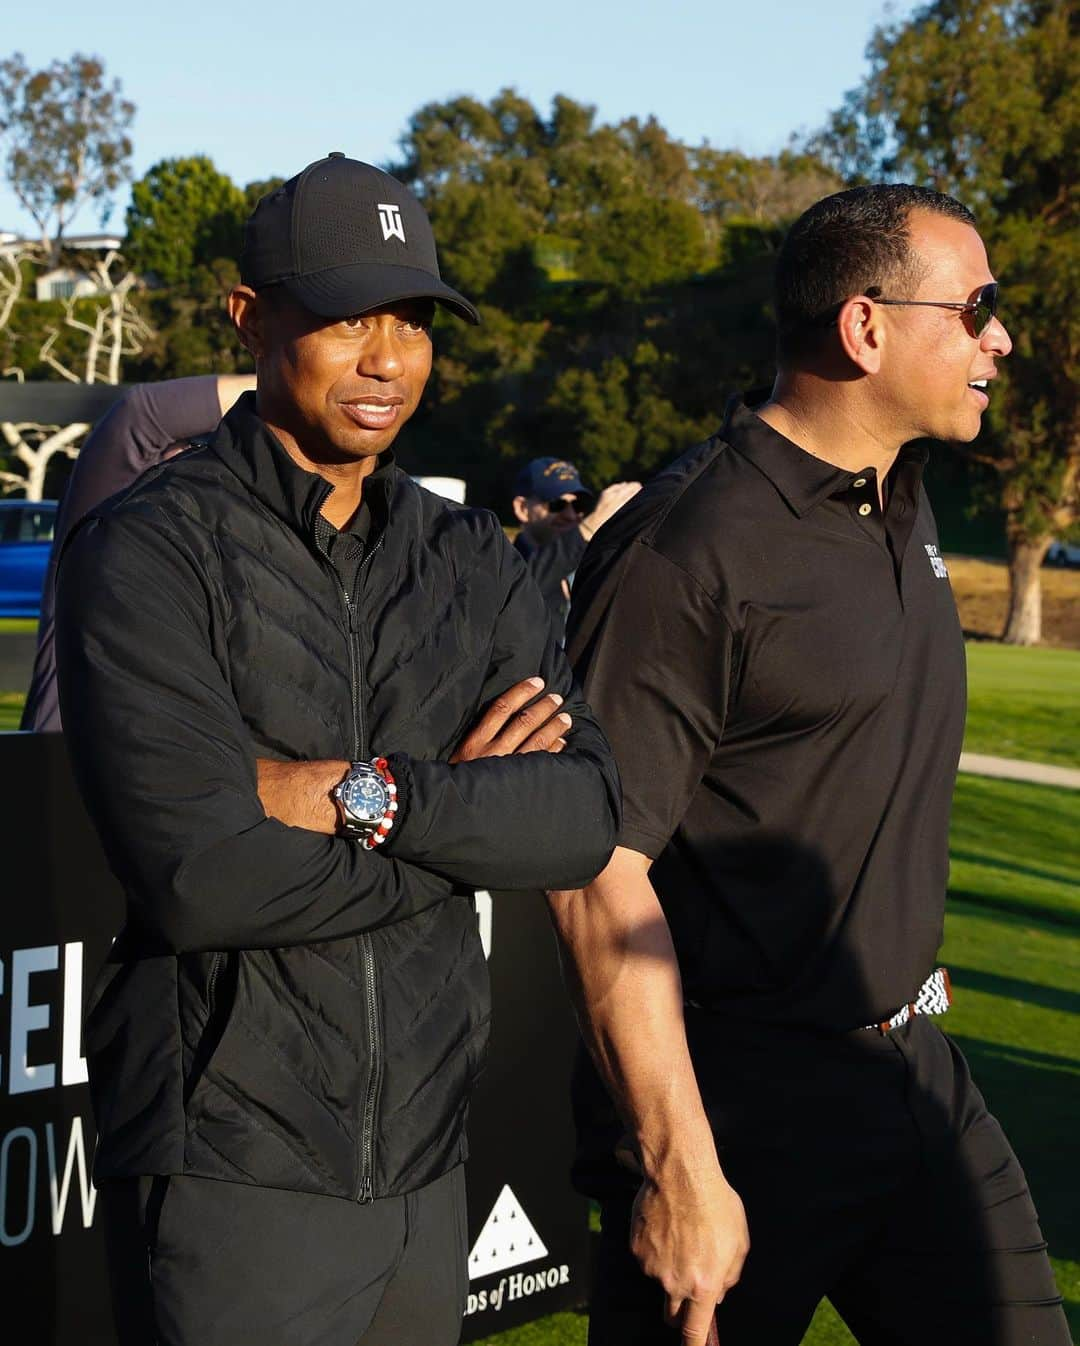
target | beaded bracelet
[{"x": 382, "y": 766}]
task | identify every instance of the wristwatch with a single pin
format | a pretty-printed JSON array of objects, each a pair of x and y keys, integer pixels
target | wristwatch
[{"x": 366, "y": 799}]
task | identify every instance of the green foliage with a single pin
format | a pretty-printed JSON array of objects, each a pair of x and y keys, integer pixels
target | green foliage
[
  {"x": 192, "y": 330},
  {"x": 64, "y": 133},
  {"x": 183, "y": 214},
  {"x": 731, "y": 184},
  {"x": 255, "y": 191},
  {"x": 981, "y": 99},
  {"x": 641, "y": 245},
  {"x": 624, "y": 282},
  {"x": 31, "y": 323}
]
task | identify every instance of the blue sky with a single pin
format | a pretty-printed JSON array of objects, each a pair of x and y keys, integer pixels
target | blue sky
[{"x": 265, "y": 88}]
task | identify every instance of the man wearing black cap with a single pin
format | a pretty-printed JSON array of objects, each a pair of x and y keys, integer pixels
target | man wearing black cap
[
  {"x": 270, "y": 655},
  {"x": 550, "y": 503}
]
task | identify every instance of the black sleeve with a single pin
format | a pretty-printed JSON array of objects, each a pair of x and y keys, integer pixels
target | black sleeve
[
  {"x": 551, "y": 562},
  {"x": 654, "y": 654},
  {"x": 132, "y": 436},
  {"x": 167, "y": 772},
  {"x": 535, "y": 820}
]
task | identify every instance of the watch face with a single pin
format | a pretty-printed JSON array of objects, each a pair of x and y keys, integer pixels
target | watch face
[{"x": 365, "y": 797}]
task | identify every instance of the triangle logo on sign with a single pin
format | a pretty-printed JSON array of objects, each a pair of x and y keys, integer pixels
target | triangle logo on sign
[{"x": 507, "y": 1239}]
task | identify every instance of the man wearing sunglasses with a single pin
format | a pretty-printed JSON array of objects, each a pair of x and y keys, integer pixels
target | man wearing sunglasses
[
  {"x": 558, "y": 516},
  {"x": 769, "y": 640}
]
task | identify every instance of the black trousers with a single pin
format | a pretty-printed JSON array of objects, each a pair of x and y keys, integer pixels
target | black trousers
[
  {"x": 872, "y": 1173},
  {"x": 194, "y": 1262}
]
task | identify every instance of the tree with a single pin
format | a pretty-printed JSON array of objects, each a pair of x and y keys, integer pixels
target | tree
[
  {"x": 33, "y": 447},
  {"x": 112, "y": 329},
  {"x": 255, "y": 191},
  {"x": 766, "y": 191},
  {"x": 621, "y": 300},
  {"x": 64, "y": 136},
  {"x": 183, "y": 214},
  {"x": 981, "y": 99},
  {"x": 13, "y": 259},
  {"x": 64, "y": 131}
]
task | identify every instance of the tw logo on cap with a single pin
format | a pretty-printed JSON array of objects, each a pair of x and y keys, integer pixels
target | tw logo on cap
[{"x": 390, "y": 219}]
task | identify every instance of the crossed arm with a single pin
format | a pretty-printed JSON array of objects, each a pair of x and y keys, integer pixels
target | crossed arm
[
  {"x": 164, "y": 762},
  {"x": 298, "y": 793}
]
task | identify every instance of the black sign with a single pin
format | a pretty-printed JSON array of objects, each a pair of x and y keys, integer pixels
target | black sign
[
  {"x": 61, "y": 909},
  {"x": 57, "y": 401}
]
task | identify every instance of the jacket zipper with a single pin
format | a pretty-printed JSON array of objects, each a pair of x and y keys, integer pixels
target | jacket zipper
[
  {"x": 356, "y": 666},
  {"x": 367, "y": 1129},
  {"x": 211, "y": 984},
  {"x": 366, "y": 1187}
]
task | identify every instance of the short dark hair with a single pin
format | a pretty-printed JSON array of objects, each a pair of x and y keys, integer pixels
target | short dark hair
[{"x": 842, "y": 246}]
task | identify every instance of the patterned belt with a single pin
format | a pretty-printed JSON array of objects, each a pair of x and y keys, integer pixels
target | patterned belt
[{"x": 935, "y": 997}]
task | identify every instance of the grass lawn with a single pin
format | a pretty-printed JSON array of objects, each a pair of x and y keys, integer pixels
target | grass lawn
[
  {"x": 1012, "y": 943},
  {"x": 11, "y": 704},
  {"x": 1024, "y": 703}
]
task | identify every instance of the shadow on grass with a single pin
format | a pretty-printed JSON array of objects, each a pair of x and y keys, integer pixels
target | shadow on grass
[
  {"x": 1011, "y": 867},
  {"x": 1028, "y": 911},
  {"x": 1013, "y": 988}
]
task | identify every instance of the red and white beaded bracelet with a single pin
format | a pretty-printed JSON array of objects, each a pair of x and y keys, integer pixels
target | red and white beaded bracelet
[{"x": 382, "y": 766}]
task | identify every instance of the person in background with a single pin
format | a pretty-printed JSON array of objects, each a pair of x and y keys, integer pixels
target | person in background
[
  {"x": 149, "y": 423},
  {"x": 558, "y": 516}
]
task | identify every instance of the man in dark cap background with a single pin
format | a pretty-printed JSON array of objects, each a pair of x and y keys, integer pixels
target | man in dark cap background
[
  {"x": 558, "y": 516},
  {"x": 310, "y": 707}
]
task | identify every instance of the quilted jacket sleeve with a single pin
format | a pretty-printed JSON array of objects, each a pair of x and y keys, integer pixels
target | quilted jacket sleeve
[
  {"x": 536, "y": 820},
  {"x": 166, "y": 770}
]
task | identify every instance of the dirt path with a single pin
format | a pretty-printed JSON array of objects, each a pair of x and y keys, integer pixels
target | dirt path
[
  {"x": 1008, "y": 768},
  {"x": 982, "y": 596}
]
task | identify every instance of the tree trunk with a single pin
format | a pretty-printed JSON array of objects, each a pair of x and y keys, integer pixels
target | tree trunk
[{"x": 1023, "y": 625}]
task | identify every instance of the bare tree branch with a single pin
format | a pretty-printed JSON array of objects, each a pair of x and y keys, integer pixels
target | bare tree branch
[{"x": 34, "y": 446}]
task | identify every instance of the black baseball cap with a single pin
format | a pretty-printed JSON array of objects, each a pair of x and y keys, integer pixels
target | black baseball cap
[
  {"x": 344, "y": 237},
  {"x": 546, "y": 478}
]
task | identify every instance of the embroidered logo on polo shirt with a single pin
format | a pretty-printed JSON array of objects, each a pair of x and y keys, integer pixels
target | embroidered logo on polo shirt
[
  {"x": 390, "y": 219},
  {"x": 937, "y": 564}
]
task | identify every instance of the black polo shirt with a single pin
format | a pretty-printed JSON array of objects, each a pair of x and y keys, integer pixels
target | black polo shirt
[
  {"x": 346, "y": 548},
  {"x": 780, "y": 670}
]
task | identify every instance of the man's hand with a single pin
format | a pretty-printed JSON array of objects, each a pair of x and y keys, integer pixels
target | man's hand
[
  {"x": 610, "y": 500},
  {"x": 689, "y": 1232},
  {"x": 688, "y": 1228},
  {"x": 511, "y": 725}
]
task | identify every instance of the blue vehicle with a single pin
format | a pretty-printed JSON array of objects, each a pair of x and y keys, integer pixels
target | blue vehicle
[{"x": 26, "y": 534}]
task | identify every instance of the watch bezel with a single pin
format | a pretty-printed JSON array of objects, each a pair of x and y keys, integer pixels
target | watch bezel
[{"x": 352, "y": 822}]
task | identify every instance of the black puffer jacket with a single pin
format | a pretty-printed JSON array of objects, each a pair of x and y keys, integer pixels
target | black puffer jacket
[{"x": 285, "y": 1008}]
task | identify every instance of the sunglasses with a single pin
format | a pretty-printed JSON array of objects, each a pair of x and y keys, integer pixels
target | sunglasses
[
  {"x": 981, "y": 308},
  {"x": 560, "y": 503}
]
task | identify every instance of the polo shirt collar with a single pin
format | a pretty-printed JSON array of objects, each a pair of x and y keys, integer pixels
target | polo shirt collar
[{"x": 803, "y": 480}]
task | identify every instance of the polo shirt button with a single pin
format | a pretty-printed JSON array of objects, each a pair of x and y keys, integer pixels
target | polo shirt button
[
  {"x": 859, "y": 481},
  {"x": 864, "y": 510}
]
